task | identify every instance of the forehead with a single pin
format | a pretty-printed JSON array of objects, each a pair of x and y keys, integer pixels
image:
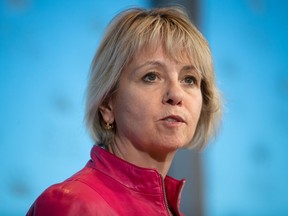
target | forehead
[
  {"x": 158, "y": 58},
  {"x": 159, "y": 51}
]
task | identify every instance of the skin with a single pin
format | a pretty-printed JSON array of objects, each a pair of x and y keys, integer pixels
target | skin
[{"x": 155, "y": 109}]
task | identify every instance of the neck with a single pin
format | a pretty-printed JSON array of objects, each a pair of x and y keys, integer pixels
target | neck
[{"x": 160, "y": 160}]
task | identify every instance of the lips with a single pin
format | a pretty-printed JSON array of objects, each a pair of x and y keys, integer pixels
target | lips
[{"x": 173, "y": 118}]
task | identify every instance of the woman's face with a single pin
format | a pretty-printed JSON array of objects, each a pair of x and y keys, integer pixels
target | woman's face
[{"x": 158, "y": 102}]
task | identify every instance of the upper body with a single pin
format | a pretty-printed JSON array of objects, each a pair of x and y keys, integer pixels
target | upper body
[
  {"x": 151, "y": 91},
  {"x": 110, "y": 186}
]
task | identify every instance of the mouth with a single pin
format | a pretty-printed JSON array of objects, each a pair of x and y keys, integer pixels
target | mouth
[{"x": 173, "y": 118}]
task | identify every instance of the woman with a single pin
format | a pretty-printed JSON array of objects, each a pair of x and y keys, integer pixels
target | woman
[{"x": 151, "y": 92}]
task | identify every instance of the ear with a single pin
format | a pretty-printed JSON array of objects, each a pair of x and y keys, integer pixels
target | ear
[{"x": 106, "y": 110}]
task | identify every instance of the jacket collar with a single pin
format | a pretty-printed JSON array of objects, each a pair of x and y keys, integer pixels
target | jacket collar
[{"x": 137, "y": 178}]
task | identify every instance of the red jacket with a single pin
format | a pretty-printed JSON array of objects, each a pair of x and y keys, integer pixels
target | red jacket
[{"x": 108, "y": 185}]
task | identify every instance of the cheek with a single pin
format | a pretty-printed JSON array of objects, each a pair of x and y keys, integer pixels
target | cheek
[
  {"x": 200, "y": 104},
  {"x": 196, "y": 107},
  {"x": 129, "y": 107}
]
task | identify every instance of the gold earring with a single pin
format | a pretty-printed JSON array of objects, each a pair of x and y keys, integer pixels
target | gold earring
[{"x": 108, "y": 126}]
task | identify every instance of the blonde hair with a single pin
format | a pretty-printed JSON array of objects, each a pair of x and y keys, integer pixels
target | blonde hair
[{"x": 127, "y": 34}]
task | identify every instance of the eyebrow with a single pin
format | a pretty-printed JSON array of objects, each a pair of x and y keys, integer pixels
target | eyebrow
[
  {"x": 187, "y": 68},
  {"x": 193, "y": 69},
  {"x": 160, "y": 64},
  {"x": 151, "y": 63}
]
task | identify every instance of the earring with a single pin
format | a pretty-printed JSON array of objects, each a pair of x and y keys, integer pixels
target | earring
[{"x": 108, "y": 126}]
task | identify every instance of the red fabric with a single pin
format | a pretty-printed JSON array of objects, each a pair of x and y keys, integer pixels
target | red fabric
[{"x": 108, "y": 185}]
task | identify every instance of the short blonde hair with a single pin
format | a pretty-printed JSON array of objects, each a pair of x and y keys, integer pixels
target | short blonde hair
[{"x": 127, "y": 34}]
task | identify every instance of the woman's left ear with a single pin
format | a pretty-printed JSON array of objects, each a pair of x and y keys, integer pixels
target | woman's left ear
[{"x": 106, "y": 110}]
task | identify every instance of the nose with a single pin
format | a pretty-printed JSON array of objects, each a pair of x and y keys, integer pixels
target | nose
[{"x": 173, "y": 94}]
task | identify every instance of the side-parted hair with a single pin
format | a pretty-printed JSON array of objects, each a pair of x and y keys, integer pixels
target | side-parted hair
[{"x": 130, "y": 32}]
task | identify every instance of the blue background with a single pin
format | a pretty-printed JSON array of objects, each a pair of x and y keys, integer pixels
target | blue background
[
  {"x": 247, "y": 168},
  {"x": 46, "y": 48}
]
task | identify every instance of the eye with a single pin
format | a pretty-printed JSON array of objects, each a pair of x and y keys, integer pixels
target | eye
[
  {"x": 150, "y": 77},
  {"x": 190, "y": 80}
]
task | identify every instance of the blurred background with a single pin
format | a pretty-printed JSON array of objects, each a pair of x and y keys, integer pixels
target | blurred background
[{"x": 46, "y": 48}]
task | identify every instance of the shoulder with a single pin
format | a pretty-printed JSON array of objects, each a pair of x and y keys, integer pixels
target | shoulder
[{"x": 69, "y": 198}]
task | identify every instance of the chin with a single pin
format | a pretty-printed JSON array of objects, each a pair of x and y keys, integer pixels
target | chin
[{"x": 172, "y": 146}]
